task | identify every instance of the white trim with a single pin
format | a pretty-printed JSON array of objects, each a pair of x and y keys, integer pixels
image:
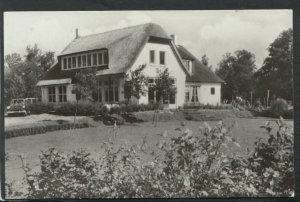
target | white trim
[{"x": 54, "y": 82}]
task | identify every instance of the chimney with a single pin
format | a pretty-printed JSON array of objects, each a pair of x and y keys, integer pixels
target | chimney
[
  {"x": 174, "y": 38},
  {"x": 76, "y": 32}
]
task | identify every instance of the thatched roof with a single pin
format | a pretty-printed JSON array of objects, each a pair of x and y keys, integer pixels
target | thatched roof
[
  {"x": 201, "y": 73},
  {"x": 124, "y": 45}
]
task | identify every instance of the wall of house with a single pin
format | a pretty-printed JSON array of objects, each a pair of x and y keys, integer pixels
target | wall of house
[
  {"x": 70, "y": 96},
  {"x": 205, "y": 96},
  {"x": 171, "y": 63}
]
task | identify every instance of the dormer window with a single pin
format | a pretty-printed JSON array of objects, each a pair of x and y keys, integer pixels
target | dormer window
[
  {"x": 189, "y": 65},
  {"x": 92, "y": 59}
]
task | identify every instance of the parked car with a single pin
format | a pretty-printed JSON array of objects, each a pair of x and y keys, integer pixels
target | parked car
[{"x": 20, "y": 106}]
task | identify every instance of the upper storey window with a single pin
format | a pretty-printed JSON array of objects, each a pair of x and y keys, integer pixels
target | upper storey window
[
  {"x": 189, "y": 65},
  {"x": 92, "y": 59}
]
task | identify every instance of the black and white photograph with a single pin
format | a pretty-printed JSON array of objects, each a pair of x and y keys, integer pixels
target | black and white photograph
[{"x": 148, "y": 104}]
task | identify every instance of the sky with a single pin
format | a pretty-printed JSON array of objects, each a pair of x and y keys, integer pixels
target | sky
[{"x": 213, "y": 33}]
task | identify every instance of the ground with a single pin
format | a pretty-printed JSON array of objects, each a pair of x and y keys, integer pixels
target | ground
[{"x": 91, "y": 139}]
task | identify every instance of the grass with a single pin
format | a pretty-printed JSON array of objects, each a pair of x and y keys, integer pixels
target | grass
[{"x": 91, "y": 139}]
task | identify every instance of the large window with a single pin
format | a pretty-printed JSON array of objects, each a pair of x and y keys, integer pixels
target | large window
[
  {"x": 62, "y": 93},
  {"x": 96, "y": 58},
  {"x": 152, "y": 56},
  {"x": 162, "y": 58},
  {"x": 51, "y": 94},
  {"x": 107, "y": 91}
]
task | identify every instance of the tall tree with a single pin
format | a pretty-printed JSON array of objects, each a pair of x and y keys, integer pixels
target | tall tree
[
  {"x": 276, "y": 74},
  {"x": 237, "y": 71}
]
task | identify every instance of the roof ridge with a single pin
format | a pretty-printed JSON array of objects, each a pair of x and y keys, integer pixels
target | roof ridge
[{"x": 112, "y": 30}]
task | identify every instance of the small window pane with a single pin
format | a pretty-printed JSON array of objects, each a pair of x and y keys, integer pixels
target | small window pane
[
  {"x": 116, "y": 94},
  {"x": 89, "y": 60},
  {"x": 65, "y": 63},
  {"x": 100, "y": 60},
  {"x": 84, "y": 60},
  {"x": 69, "y": 63},
  {"x": 79, "y": 61},
  {"x": 161, "y": 57},
  {"x": 105, "y": 58},
  {"x": 152, "y": 56},
  {"x": 95, "y": 59},
  {"x": 74, "y": 62}
]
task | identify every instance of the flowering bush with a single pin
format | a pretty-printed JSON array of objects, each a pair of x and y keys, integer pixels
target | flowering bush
[{"x": 185, "y": 165}]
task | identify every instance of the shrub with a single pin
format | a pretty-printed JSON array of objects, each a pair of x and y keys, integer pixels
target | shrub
[
  {"x": 40, "y": 108},
  {"x": 185, "y": 165},
  {"x": 279, "y": 107},
  {"x": 84, "y": 109}
]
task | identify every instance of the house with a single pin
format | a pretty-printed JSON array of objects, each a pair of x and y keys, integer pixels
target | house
[{"x": 115, "y": 52}]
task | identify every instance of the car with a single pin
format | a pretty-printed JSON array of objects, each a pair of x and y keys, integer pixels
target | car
[{"x": 20, "y": 106}]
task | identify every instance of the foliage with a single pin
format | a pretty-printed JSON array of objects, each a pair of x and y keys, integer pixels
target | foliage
[
  {"x": 279, "y": 107},
  {"x": 237, "y": 72},
  {"x": 164, "y": 85},
  {"x": 85, "y": 82},
  {"x": 205, "y": 106},
  {"x": 277, "y": 67},
  {"x": 40, "y": 108},
  {"x": 204, "y": 61},
  {"x": 22, "y": 75},
  {"x": 83, "y": 109},
  {"x": 135, "y": 83},
  {"x": 184, "y": 165}
]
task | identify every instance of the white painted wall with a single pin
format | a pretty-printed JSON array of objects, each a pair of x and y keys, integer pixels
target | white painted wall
[
  {"x": 172, "y": 64},
  {"x": 205, "y": 94},
  {"x": 70, "y": 96}
]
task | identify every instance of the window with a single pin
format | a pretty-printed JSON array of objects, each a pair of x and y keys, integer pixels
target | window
[
  {"x": 51, "y": 94},
  {"x": 151, "y": 96},
  {"x": 162, "y": 58},
  {"x": 105, "y": 57},
  {"x": 73, "y": 62},
  {"x": 62, "y": 93},
  {"x": 69, "y": 63},
  {"x": 189, "y": 65},
  {"x": 84, "y": 60},
  {"x": 116, "y": 94},
  {"x": 100, "y": 59},
  {"x": 187, "y": 94},
  {"x": 89, "y": 60},
  {"x": 95, "y": 59},
  {"x": 65, "y": 63},
  {"x": 212, "y": 91},
  {"x": 195, "y": 95},
  {"x": 79, "y": 61},
  {"x": 152, "y": 56}
]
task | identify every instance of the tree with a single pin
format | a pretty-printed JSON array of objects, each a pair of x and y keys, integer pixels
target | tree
[
  {"x": 164, "y": 85},
  {"x": 237, "y": 72},
  {"x": 12, "y": 59},
  {"x": 85, "y": 82},
  {"x": 204, "y": 61},
  {"x": 276, "y": 74},
  {"x": 135, "y": 83}
]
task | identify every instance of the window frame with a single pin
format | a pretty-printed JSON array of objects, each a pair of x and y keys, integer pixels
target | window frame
[
  {"x": 150, "y": 56},
  {"x": 212, "y": 90},
  {"x": 51, "y": 94},
  {"x": 160, "y": 57},
  {"x": 85, "y": 60}
]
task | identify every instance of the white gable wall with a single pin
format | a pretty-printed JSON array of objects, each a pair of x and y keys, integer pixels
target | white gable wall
[{"x": 171, "y": 63}]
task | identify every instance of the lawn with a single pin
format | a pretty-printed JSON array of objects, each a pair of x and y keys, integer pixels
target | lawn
[{"x": 91, "y": 139}]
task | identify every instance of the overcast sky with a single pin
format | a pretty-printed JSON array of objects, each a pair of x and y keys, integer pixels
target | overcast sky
[{"x": 203, "y": 32}]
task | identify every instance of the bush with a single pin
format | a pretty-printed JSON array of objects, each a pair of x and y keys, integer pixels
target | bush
[
  {"x": 185, "y": 165},
  {"x": 84, "y": 109},
  {"x": 40, "y": 108},
  {"x": 279, "y": 107},
  {"x": 206, "y": 106}
]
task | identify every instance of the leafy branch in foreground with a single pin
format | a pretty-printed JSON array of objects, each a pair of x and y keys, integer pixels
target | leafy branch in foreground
[{"x": 182, "y": 165}]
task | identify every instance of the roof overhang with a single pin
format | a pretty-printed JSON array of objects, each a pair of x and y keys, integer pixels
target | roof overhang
[{"x": 54, "y": 82}]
